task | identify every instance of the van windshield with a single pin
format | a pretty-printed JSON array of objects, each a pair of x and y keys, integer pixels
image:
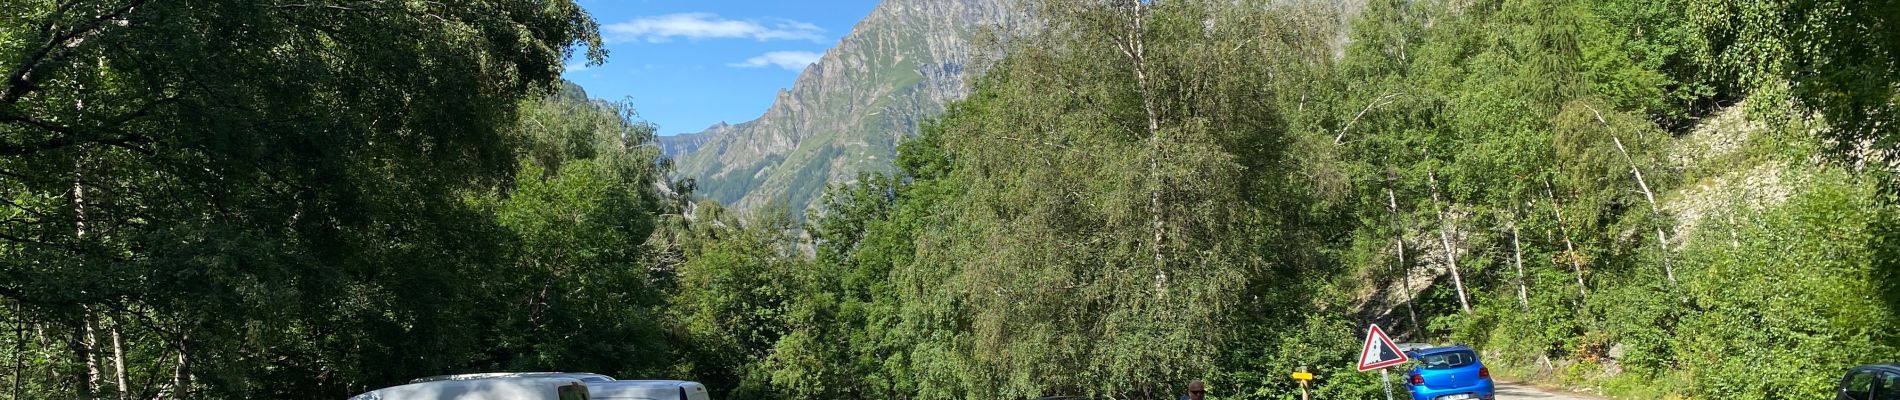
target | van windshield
[{"x": 1452, "y": 359}]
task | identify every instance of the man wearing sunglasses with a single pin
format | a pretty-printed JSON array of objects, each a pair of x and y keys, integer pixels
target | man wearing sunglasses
[{"x": 1196, "y": 391}]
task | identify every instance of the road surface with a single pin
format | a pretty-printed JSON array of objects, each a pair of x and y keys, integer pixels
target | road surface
[{"x": 1507, "y": 391}]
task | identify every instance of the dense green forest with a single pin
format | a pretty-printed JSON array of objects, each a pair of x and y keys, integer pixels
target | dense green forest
[{"x": 275, "y": 199}]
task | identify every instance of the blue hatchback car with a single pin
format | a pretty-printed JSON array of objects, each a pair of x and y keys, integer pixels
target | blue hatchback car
[{"x": 1449, "y": 373}]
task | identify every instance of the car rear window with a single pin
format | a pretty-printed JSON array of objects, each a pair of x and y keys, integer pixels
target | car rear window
[{"x": 1453, "y": 359}]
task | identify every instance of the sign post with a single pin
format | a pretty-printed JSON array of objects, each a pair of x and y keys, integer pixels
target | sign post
[
  {"x": 1303, "y": 377},
  {"x": 1385, "y": 378},
  {"x": 1378, "y": 353}
]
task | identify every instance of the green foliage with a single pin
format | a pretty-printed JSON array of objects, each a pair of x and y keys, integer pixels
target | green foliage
[
  {"x": 1106, "y": 229},
  {"x": 1017, "y": 255},
  {"x": 580, "y": 210},
  {"x": 1520, "y": 111},
  {"x": 1792, "y": 285},
  {"x": 1501, "y": 99},
  {"x": 285, "y": 199},
  {"x": 270, "y": 199},
  {"x": 737, "y": 286}
]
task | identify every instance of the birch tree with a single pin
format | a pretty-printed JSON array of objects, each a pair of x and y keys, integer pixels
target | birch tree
[
  {"x": 1570, "y": 254},
  {"x": 1517, "y": 259},
  {"x": 1405, "y": 270},
  {"x": 1451, "y": 252}
]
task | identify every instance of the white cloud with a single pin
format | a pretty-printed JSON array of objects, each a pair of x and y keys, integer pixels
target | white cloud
[
  {"x": 791, "y": 60},
  {"x": 576, "y": 67},
  {"x": 695, "y": 26}
]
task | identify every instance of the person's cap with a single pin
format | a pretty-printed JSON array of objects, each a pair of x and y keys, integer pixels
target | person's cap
[{"x": 1197, "y": 387}]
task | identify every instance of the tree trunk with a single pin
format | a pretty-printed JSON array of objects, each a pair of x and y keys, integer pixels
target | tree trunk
[
  {"x": 19, "y": 348},
  {"x": 181, "y": 376},
  {"x": 1451, "y": 254},
  {"x": 84, "y": 341},
  {"x": 87, "y": 379},
  {"x": 1662, "y": 239},
  {"x": 118, "y": 361},
  {"x": 94, "y": 375},
  {"x": 1398, "y": 240},
  {"x": 1134, "y": 47},
  {"x": 1517, "y": 257},
  {"x": 1570, "y": 249}
]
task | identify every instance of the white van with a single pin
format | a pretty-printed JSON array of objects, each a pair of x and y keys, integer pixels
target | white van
[
  {"x": 647, "y": 390},
  {"x": 498, "y": 388}
]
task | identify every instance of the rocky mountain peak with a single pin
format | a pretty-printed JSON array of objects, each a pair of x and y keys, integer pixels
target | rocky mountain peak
[{"x": 846, "y": 113}]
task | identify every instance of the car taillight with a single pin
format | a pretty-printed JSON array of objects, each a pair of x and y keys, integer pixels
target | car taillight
[
  {"x": 1417, "y": 380},
  {"x": 1484, "y": 373}
]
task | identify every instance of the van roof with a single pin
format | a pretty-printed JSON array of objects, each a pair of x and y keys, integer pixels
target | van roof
[
  {"x": 582, "y": 376},
  {"x": 653, "y": 382},
  {"x": 482, "y": 388}
]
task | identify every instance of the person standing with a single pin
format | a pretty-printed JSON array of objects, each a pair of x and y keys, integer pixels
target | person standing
[{"x": 1196, "y": 391}]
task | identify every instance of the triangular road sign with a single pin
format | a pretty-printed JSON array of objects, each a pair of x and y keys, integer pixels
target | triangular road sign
[{"x": 1379, "y": 351}]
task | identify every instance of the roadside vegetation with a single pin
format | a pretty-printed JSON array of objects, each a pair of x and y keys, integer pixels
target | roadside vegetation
[{"x": 1655, "y": 198}]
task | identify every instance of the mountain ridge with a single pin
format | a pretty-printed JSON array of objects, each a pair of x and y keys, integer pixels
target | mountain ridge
[{"x": 845, "y": 113}]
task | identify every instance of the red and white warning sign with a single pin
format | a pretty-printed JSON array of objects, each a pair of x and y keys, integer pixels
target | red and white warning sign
[{"x": 1379, "y": 351}]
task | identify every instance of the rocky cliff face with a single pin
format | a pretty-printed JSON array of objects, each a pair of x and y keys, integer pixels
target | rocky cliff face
[
  {"x": 678, "y": 146},
  {"x": 846, "y": 113}
]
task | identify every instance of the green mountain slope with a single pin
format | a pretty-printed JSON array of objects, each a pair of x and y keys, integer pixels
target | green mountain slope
[{"x": 846, "y": 113}]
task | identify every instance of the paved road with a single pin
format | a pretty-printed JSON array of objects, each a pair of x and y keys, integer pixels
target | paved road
[{"x": 1515, "y": 392}]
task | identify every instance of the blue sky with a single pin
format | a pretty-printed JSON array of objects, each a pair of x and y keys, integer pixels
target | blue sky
[{"x": 688, "y": 64}]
